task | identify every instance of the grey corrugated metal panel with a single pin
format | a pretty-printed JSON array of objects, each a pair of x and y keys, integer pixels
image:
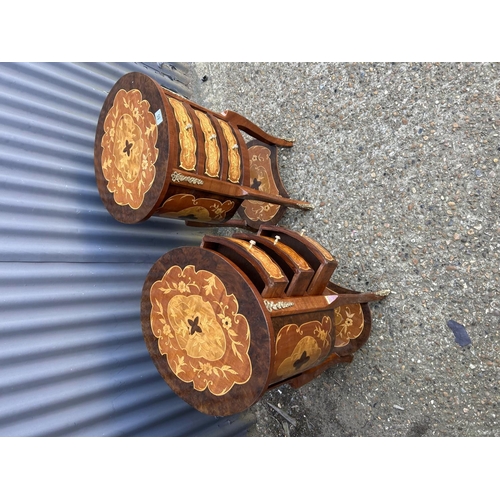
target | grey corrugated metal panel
[
  {"x": 13, "y": 100},
  {"x": 175, "y": 71},
  {"x": 65, "y": 237},
  {"x": 133, "y": 413},
  {"x": 91, "y": 406},
  {"x": 174, "y": 75},
  {"x": 30, "y": 82},
  {"x": 77, "y": 90},
  {"x": 77, "y": 388},
  {"x": 111, "y": 71},
  {"x": 181, "y": 419},
  {"x": 33, "y": 128},
  {"x": 72, "y": 357},
  {"x": 64, "y": 81},
  {"x": 77, "y": 364},
  {"x": 84, "y": 360},
  {"x": 22, "y": 166},
  {"x": 74, "y": 243},
  {"x": 47, "y": 145}
]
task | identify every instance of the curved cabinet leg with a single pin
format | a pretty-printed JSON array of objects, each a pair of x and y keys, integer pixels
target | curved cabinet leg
[{"x": 250, "y": 128}]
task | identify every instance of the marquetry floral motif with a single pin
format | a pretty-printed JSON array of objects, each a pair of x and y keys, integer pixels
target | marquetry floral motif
[
  {"x": 129, "y": 149},
  {"x": 187, "y": 206},
  {"x": 313, "y": 345},
  {"x": 199, "y": 330},
  {"x": 269, "y": 265},
  {"x": 349, "y": 323},
  {"x": 234, "y": 172},
  {"x": 262, "y": 180},
  {"x": 187, "y": 139},
  {"x": 212, "y": 152}
]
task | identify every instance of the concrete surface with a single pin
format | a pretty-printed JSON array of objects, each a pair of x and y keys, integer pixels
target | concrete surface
[{"x": 401, "y": 163}]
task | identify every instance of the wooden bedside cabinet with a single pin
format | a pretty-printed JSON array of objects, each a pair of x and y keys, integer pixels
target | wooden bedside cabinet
[
  {"x": 235, "y": 317},
  {"x": 159, "y": 154}
]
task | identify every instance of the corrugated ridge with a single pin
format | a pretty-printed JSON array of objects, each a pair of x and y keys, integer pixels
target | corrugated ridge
[
  {"x": 177, "y": 81},
  {"x": 132, "y": 422},
  {"x": 61, "y": 225},
  {"x": 21, "y": 165},
  {"x": 81, "y": 245},
  {"x": 77, "y": 363},
  {"x": 129, "y": 420},
  {"x": 54, "y": 77},
  {"x": 37, "y": 130},
  {"x": 58, "y": 343},
  {"x": 12, "y": 140},
  {"x": 60, "y": 273},
  {"x": 14, "y": 80},
  {"x": 74, "y": 224},
  {"x": 78, "y": 400},
  {"x": 14, "y": 102},
  {"x": 139, "y": 409}
]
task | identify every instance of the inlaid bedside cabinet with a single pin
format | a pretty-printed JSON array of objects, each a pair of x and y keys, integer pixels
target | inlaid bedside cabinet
[
  {"x": 159, "y": 154},
  {"x": 240, "y": 315}
]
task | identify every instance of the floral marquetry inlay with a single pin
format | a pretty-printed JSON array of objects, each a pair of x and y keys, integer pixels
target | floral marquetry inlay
[
  {"x": 187, "y": 140},
  {"x": 262, "y": 180},
  {"x": 212, "y": 152},
  {"x": 349, "y": 324},
  {"x": 234, "y": 172},
  {"x": 129, "y": 149},
  {"x": 199, "y": 330},
  {"x": 186, "y": 206},
  {"x": 312, "y": 343}
]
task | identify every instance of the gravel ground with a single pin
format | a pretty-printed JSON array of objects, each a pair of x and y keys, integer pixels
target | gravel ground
[{"x": 401, "y": 163}]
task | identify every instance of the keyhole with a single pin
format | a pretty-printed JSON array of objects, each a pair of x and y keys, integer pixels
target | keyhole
[
  {"x": 127, "y": 148},
  {"x": 194, "y": 326},
  {"x": 304, "y": 358}
]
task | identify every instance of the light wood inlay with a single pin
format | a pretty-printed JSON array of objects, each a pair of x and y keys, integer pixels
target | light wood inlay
[
  {"x": 349, "y": 323},
  {"x": 262, "y": 179},
  {"x": 199, "y": 330},
  {"x": 187, "y": 139},
  {"x": 212, "y": 151},
  {"x": 269, "y": 265},
  {"x": 298, "y": 259},
  {"x": 129, "y": 149},
  {"x": 234, "y": 173}
]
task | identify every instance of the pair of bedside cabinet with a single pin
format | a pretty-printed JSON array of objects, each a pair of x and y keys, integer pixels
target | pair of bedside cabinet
[{"x": 239, "y": 315}]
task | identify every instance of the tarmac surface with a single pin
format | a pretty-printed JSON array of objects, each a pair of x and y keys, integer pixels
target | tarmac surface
[{"x": 401, "y": 162}]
